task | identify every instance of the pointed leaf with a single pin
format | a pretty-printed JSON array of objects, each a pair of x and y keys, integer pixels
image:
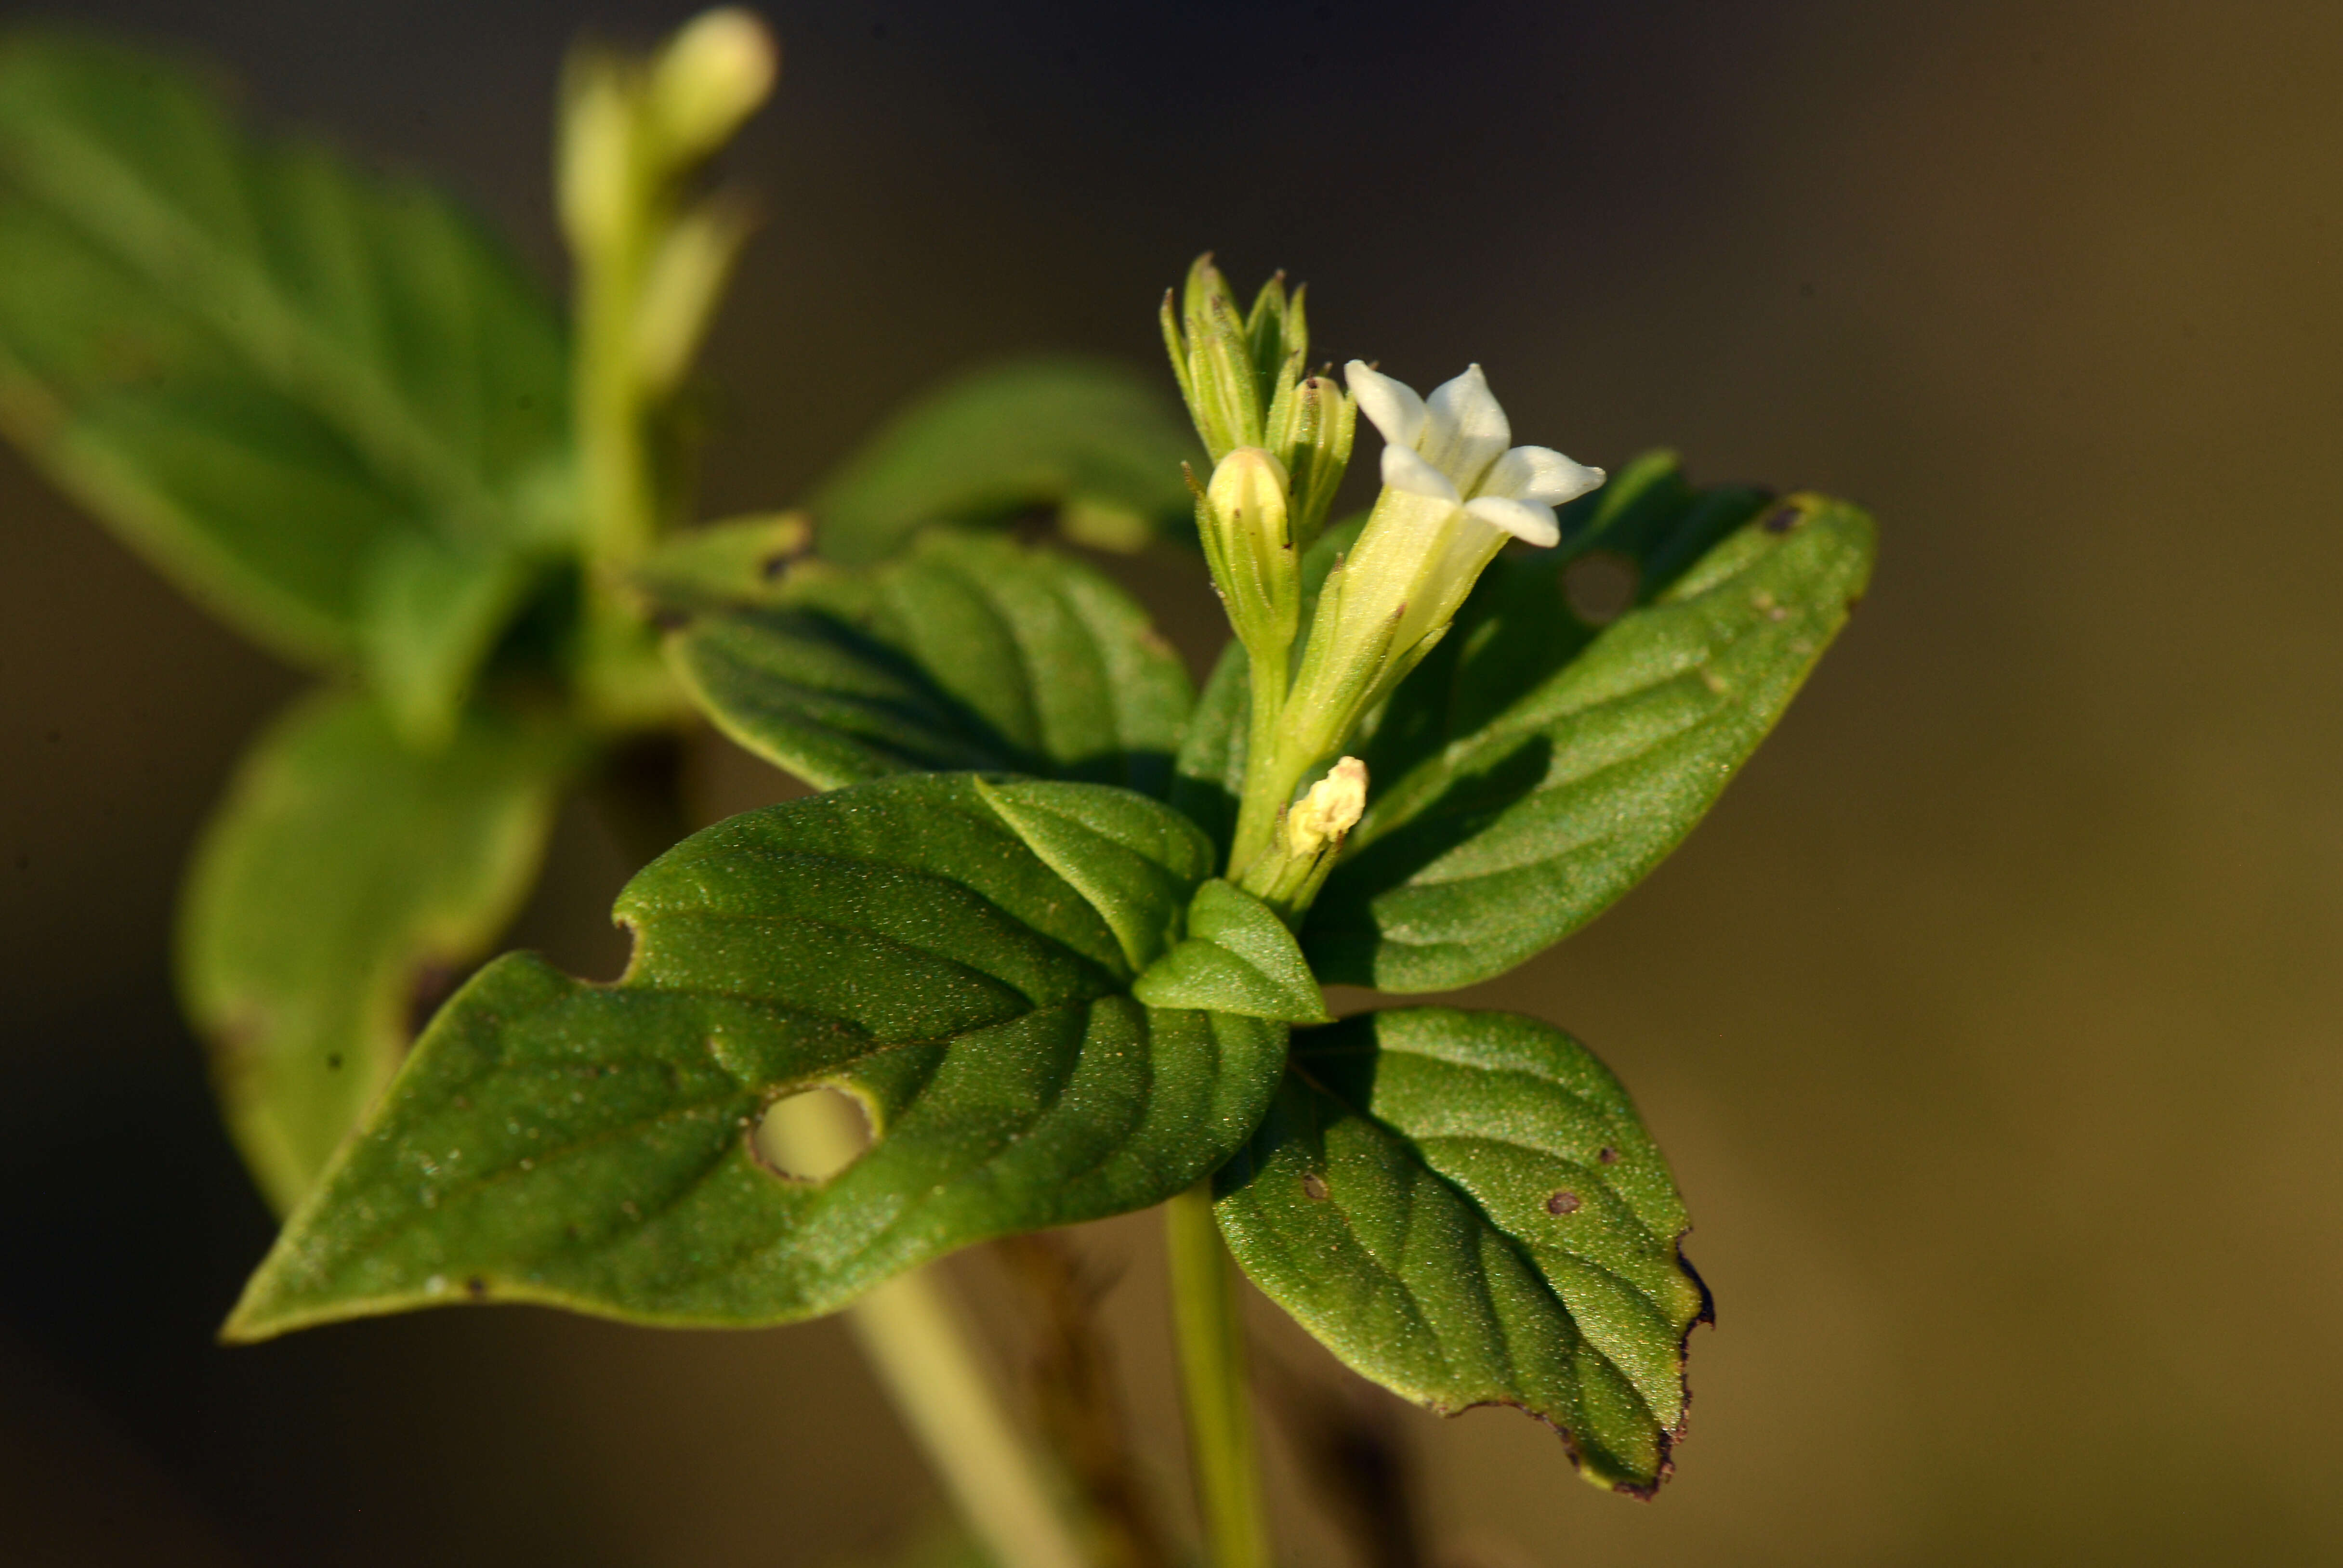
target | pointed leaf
[
  {"x": 594, "y": 1146},
  {"x": 344, "y": 876},
  {"x": 1502, "y": 841},
  {"x": 267, "y": 370},
  {"x": 1135, "y": 862},
  {"x": 971, "y": 653},
  {"x": 1091, "y": 439},
  {"x": 1238, "y": 956},
  {"x": 1465, "y": 1208}
]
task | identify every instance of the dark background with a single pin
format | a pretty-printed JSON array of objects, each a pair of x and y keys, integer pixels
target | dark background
[{"x": 1990, "y": 1022}]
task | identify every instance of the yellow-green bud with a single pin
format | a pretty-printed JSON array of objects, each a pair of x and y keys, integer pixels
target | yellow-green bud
[
  {"x": 707, "y": 81},
  {"x": 1245, "y": 523},
  {"x": 597, "y": 179}
]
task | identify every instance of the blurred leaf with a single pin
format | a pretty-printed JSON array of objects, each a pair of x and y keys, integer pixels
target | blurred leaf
[
  {"x": 1498, "y": 843},
  {"x": 970, "y": 652},
  {"x": 1465, "y": 1208},
  {"x": 270, "y": 373},
  {"x": 1092, "y": 439},
  {"x": 344, "y": 877},
  {"x": 1237, "y": 956},
  {"x": 723, "y": 564},
  {"x": 593, "y": 1147}
]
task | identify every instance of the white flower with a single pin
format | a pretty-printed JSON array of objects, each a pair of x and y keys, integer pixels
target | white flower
[{"x": 1452, "y": 449}]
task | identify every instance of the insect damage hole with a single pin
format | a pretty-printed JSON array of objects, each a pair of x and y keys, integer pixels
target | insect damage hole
[
  {"x": 812, "y": 1135},
  {"x": 1600, "y": 587}
]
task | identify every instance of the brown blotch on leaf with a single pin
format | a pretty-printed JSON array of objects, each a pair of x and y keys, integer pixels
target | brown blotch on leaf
[
  {"x": 1609, "y": 1156},
  {"x": 1563, "y": 1203},
  {"x": 1782, "y": 520},
  {"x": 1314, "y": 1186},
  {"x": 477, "y": 1288}
]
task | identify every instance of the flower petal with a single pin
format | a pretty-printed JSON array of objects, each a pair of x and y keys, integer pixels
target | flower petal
[
  {"x": 1390, "y": 403},
  {"x": 1539, "y": 473},
  {"x": 1531, "y": 522},
  {"x": 1466, "y": 430},
  {"x": 1405, "y": 469}
]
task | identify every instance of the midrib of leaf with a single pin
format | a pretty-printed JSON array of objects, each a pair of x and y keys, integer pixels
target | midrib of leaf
[
  {"x": 237, "y": 299},
  {"x": 1511, "y": 1245}
]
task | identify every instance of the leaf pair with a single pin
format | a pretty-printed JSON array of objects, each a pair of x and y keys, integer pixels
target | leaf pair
[{"x": 958, "y": 955}]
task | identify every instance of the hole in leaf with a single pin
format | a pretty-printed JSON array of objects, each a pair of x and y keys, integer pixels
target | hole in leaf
[
  {"x": 1599, "y": 588},
  {"x": 812, "y": 1135}
]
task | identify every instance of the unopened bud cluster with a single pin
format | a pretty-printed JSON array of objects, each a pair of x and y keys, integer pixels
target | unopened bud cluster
[
  {"x": 1245, "y": 377},
  {"x": 634, "y": 134}
]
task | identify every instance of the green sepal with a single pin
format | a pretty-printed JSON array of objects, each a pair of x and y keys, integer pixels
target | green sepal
[
  {"x": 270, "y": 373},
  {"x": 593, "y": 1146},
  {"x": 1465, "y": 1208},
  {"x": 1595, "y": 754},
  {"x": 346, "y": 878},
  {"x": 970, "y": 652},
  {"x": 1239, "y": 958},
  {"x": 1089, "y": 438}
]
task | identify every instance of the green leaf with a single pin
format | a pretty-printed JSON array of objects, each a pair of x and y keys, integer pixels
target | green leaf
[
  {"x": 345, "y": 878},
  {"x": 1237, "y": 956},
  {"x": 970, "y": 652},
  {"x": 1465, "y": 1208},
  {"x": 1136, "y": 863},
  {"x": 1478, "y": 851},
  {"x": 1092, "y": 439},
  {"x": 593, "y": 1146},
  {"x": 271, "y": 374},
  {"x": 723, "y": 564}
]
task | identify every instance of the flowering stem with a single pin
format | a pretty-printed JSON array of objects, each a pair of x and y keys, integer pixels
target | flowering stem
[
  {"x": 1214, "y": 1382},
  {"x": 1257, "y": 814}
]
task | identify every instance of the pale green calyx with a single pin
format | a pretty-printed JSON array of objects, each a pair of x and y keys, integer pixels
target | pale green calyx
[
  {"x": 1246, "y": 528},
  {"x": 1454, "y": 493}
]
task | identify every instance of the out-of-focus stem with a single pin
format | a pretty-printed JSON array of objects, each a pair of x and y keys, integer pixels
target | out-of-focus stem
[
  {"x": 915, "y": 1342},
  {"x": 1214, "y": 1381}
]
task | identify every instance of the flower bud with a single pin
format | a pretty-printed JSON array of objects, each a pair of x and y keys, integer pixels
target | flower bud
[
  {"x": 596, "y": 181},
  {"x": 706, "y": 83},
  {"x": 1311, "y": 433},
  {"x": 1288, "y": 874},
  {"x": 1245, "y": 522}
]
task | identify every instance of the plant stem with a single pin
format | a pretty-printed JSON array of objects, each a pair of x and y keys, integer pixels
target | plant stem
[
  {"x": 913, "y": 1338},
  {"x": 1257, "y": 814},
  {"x": 1213, "y": 1380},
  {"x": 909, "y": 1330}
]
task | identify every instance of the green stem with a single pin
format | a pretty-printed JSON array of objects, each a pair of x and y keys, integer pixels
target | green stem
[
  {"x": 913, "y": 1338},
  {"x": 1215, "y": 1383},
  {"x": 914, "y": 1342},
  {"x": 1265, "y": 764}
]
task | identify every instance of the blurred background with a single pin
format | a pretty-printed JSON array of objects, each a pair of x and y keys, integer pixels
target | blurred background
[{"x": 1990, "y": 1022}]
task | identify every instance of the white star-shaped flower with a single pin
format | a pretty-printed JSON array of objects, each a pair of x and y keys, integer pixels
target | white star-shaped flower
[{"x": 1453, "y": 448}]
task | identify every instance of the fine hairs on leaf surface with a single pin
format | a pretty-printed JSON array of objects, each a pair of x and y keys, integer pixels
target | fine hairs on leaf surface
[
  {"x": 966, "y": 651},
  {"x": 1465, "y": 1208},
  {"x": 593, "y": 1146}
]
